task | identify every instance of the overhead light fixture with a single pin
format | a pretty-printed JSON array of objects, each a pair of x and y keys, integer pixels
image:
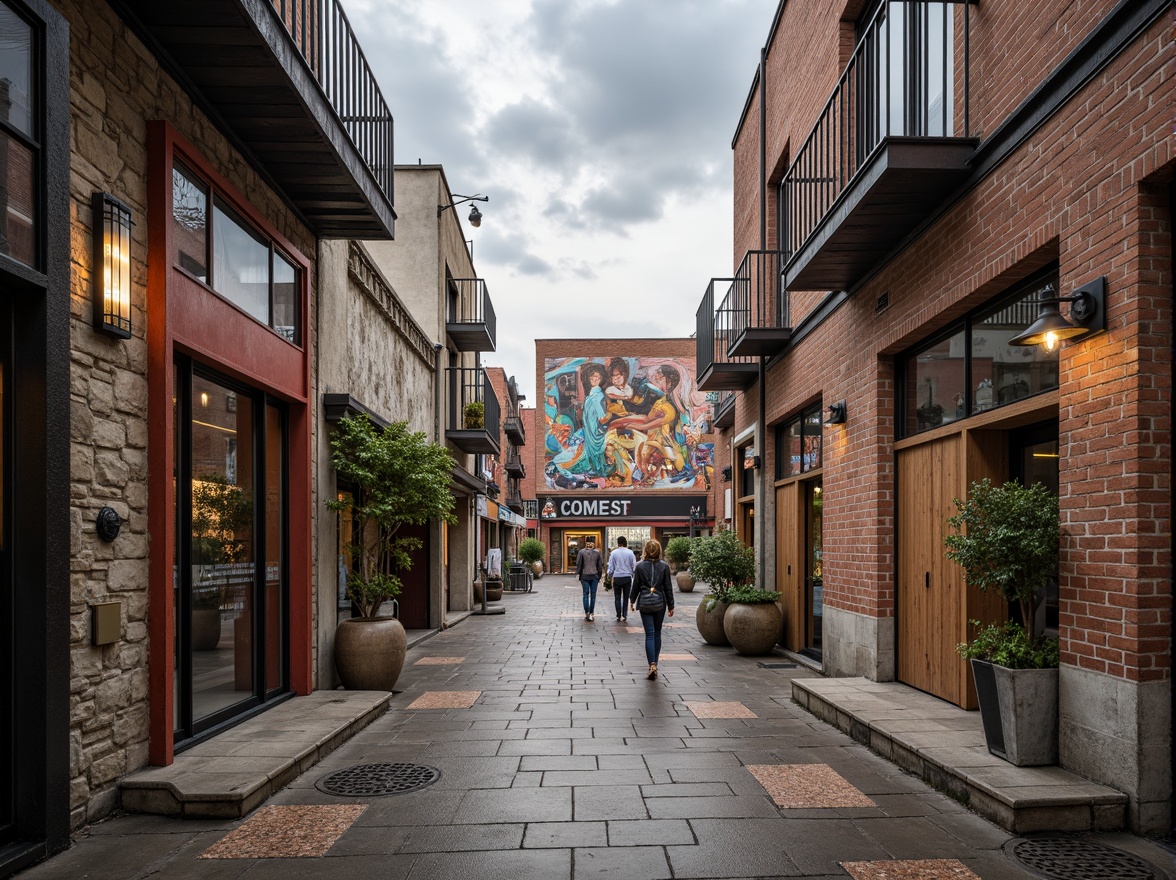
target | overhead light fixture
[
  {"x": 836, "y": 413},
  {"x": 458, "y": 199},
  {"x": 112, "y": 265},
  {"x": 1088, "y": 314}
]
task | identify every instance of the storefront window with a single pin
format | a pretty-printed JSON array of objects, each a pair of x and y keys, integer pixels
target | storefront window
[
  {"x": 240, "y": 263},
  {"x": 972, "y": 368},
  {"x": 798, "y": 444},
  {"x": 189, "y": 223},
  {"x": 18, "y": 143}
]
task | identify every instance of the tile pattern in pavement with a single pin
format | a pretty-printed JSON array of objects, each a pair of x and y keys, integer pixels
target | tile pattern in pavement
[
  {"x": 445, "y": 700},
  {"x": 285, "y": 832},
  {"x": 801, "y": 786},
  {"x": 439, "y": 661},
  {"x": 570, "y": 764}
]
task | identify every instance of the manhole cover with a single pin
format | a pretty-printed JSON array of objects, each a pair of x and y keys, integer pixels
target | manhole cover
[
  {"x": 373, "y": 780},
  {"x": 776, "y": 665},
  {"x": 1065, "y": 858}
]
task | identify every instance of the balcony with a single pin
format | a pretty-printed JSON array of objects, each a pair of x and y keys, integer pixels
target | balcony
[
  {"x": 516, "y": 433},
  {"x": 514, "y": 500},
  {"x": 531, "y": 509},
  {"x": 750, "y": 322},
  {"x": 514, "y": 465},
  {"x": 288, "y": 81},
  {"x": 890, "y": 146},
  {"x": 469, "y": 315},
  {"x": 725, "y": 410},
  {"x": 473, "y": 418}
]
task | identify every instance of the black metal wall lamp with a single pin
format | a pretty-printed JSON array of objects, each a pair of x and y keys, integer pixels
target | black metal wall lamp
[
  {"x": 836, "y": 413},
  {"x": 112, "y": 265},
  {"x": 458, "y": 199},
  {"x": 1088, "y": 315}
]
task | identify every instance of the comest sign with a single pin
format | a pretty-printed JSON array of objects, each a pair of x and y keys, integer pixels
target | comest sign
[{"x": 554, "y": 507}]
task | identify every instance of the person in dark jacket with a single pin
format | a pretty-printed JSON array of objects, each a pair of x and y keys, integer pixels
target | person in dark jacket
[
  {"x": 589, "y": 568},
  {"x": 652, "y": 576}
]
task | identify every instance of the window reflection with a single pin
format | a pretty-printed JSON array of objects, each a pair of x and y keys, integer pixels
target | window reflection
[
  {"x": 936, "y": 383},
  {"x": 189, "y": 222},
  {"x": 240, "y": 263},
  {"x": 285, "y": 298},
  {"x": 1003, "y": 373}
]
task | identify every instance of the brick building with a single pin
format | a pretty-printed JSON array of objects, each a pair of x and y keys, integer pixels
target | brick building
[
  {"x": 623, "y": 444},
  {"x": 900, "y": 211}
]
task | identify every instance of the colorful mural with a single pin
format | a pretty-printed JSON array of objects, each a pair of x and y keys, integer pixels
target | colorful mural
[{"x": 626, "y": 423}]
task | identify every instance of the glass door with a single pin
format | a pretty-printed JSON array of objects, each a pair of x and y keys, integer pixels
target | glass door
[
  {"x": 813, "y": 573},
  {"x": 574, "y": 542},
  {"x": 1033, "y": 459},
  {"x": 231, "y": 603}
]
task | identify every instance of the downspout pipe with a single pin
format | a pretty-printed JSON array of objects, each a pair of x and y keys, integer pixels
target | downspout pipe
[{"x": 761, "y": 431}]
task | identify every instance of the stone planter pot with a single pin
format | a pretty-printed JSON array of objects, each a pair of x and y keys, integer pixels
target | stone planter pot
[
  {"x": 1019, "y": 710},
  {"x": 493, "y": 591},
  {"x": 685, "y": 582},
  {"x": 206, "y": 629},
  {"x": 537, "y": 569},
  {"x": 753, "y": 629},
  {"x": 369, "y": 653},
  {"x": 710, "y": 623}
]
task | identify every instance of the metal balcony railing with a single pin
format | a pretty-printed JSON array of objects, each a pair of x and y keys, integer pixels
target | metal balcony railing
[
  {"x": 512, "y": 425},
  {"x": 757, "y": 300},
  {"x": 469, "y": 315},
  {"x": 514, "y": 464},
  {"x": 531, "y": 509},
  {"x": 474, "y": 429},
  {"x": 324, "y": 38},
  {"x": 908, "y": 77}
]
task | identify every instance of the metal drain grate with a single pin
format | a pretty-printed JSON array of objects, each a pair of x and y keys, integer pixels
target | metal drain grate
[
  {"x": 1065, "y": 858},
  {"x": 374, "y": 780},
  {"x": 776, "y": 665}
]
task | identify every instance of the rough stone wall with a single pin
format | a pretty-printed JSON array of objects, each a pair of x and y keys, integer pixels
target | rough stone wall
[{"x": 116, "y": 87}]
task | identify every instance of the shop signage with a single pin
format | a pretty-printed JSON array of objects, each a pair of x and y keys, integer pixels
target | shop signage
[
  {"x": 486, "y": 508},
  {"x": 614, "y": 508},
  {"x": 506, "y": 515}
]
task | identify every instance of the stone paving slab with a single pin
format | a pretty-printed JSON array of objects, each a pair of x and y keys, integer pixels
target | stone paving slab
[
  {"x": 570, "y": 764},
  {"x": 944, "y": 745}
]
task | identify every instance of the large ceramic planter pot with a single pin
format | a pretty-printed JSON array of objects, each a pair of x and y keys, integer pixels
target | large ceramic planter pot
[
  {"x": 753, "y": 629},
  {"x": 685, "y": 582},
  {"x": 206, "y": 629},
  {"x": 537, "y": 569},
  {"x": 493, "y": 591},
  {"x": 1019, "y": 710},
  {"x": 710, "y": 623},
  {"x": 369, "y": 653}
]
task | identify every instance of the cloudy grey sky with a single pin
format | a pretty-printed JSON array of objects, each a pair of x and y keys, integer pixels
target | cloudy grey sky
[{"x": 601, "y": 131}]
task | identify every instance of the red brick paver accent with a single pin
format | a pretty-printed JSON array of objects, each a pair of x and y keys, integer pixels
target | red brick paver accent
[{"x": 286, "y": 832}]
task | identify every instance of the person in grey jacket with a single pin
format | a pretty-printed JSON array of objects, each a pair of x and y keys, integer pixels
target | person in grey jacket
[
  {"x": 589, "y": 567},
  {"x": 621, "y": 563},
  {"x": 653, "y": 575}
]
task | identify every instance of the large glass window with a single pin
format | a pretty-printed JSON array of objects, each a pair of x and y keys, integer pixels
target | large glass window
[
  {"x": 971, "y": 367},
  {"x": 798, "y": 444},
  {"x": 247, "y": 269},
  {"x": 19, "y": 146}
]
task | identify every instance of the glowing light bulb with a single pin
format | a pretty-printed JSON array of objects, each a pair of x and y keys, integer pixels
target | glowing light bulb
[{"x": 1051, "y": 341}]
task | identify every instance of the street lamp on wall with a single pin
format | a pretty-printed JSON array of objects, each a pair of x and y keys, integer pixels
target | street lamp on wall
[
  {"x": 112, "y": 265},
  {"x": 1088, "y": 314},
  {"x": 458, "y": 199},
  {"x": 836, "y": 413}
]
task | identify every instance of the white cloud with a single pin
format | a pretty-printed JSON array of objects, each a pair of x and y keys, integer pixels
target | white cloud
[{"x": 601, "y": 131}]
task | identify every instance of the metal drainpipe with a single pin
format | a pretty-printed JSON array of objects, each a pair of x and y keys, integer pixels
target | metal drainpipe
[
  {"x": 761, "y": 430},
  {"x": 438, "y": 527}
]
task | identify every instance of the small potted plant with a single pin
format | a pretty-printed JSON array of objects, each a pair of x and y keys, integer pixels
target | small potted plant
[
  {"x": 474, "y": 415},
  {"x": 400, "y": 478},
  {"x": 531, "y": 552},
  {"x": 678, "y": 554},
  {"x": 1006, "y": 539},
  {"x": 723, "y": 562},
  {"x": 753, "y": 622}
]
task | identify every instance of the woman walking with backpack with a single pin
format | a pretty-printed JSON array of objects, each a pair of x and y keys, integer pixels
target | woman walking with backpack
[{"x": 653, "y": 596}]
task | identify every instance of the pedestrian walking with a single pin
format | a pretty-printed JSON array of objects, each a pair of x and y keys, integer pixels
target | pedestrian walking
[
  {"x": 653, "y": 597},
  {"x": 588, "y": 569},
  {"x": 621, "y": 564}
]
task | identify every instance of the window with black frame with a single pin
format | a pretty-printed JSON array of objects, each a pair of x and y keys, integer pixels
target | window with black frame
[
  {"x": 798, "y": 444},
  {"x": 970, "y": 367},
  {"x": 20, "y": 145}
]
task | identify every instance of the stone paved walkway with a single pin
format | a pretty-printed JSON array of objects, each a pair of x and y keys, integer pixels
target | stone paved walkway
[{"x": 558, "y": 759}]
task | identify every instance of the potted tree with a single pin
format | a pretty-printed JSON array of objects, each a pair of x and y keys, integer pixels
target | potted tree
[
  {"x": 1006, "y": 539},
  {"x": 753, "y": 621},
  {"x": 474, "y": 415},
  {"x": 400, "y": 478},
  {"x": 723, "y": 562},
  {"x": 678, "y": 554},
  {"x": 222, "y": 515},
  {"x": 531, "y": 552}
]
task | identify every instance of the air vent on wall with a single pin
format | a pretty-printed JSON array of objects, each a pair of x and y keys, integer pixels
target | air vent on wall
[{"x": 883, "y": 303}]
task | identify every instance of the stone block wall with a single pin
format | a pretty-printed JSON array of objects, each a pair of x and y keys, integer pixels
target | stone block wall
[{"x": 117, "y": 86}]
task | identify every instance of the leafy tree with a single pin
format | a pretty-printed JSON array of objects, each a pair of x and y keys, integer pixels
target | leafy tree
[
  {"x": 531, "y": 550},
  {"x": 678, "y": 551},
  {"x": 401, "y": 479},
  {"x": 724, "y": 562}
]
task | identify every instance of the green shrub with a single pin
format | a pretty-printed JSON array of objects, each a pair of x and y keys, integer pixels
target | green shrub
[
  {"x": 748, "y": 595},
  {"x": 1006, "y": 644},
  {"x": 678, "y": 551},
  {"x": 723, "y": 562},
  {"x": 531, "y": 550}
]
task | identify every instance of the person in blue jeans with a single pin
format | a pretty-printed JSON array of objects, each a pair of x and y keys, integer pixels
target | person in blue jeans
[
  {"x": 589, "y": 567},
  {"x": 621, "y": 563},
  {"x": 652, "y": 575}
]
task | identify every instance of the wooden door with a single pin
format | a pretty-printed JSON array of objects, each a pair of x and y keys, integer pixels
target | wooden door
[
  {"x": 790, "y": 564},
  {"x": 930, "y": 590}
]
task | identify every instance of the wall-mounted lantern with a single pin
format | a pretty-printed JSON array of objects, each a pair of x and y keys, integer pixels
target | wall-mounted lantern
[
  {"x": 835, "y": 413},
  {"x": 112, "y": 266},
  {"x": 1088, "y": 315}
]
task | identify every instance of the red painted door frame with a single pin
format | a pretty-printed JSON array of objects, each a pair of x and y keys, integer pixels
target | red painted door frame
[{"x": 186, "y": 316}]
